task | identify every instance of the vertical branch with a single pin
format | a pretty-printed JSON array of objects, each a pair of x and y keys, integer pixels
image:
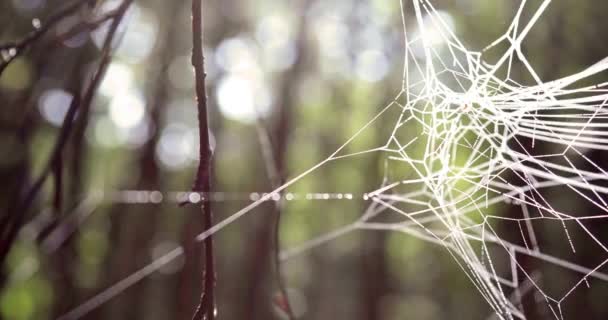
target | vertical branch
[
  {"x": 281, "y": 130},
  {"x": 206, "y": 307},
  {"x": 268, "y": 234},
  {"x": 275, "y": 157}
]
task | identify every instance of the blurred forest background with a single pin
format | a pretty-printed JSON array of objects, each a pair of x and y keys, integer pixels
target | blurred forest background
[{"x": 297, "y": 78}]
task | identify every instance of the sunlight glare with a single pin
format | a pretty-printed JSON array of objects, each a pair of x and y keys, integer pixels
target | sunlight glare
[{"x": 127, "y": 110}]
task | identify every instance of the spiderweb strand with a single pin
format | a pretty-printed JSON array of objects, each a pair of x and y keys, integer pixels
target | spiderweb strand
[
  {"x": 121, "y": 285},
  {"x": 469, "y": 137}
]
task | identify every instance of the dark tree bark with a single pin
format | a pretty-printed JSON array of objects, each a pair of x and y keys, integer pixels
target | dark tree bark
[{"x": 202, "y": 183}]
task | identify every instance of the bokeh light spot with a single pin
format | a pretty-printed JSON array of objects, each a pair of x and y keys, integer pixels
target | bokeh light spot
[{"x": 54, "y": 104}]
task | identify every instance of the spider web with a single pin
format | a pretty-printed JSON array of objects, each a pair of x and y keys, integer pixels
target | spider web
[{"x": 468, "y": 142}]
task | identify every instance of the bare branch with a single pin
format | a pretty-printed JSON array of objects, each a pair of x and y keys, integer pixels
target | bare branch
[
  {"x": 13, "y": 50},
  {"x": 202, "y": 183},
  {"x": 16, "y": 217}
]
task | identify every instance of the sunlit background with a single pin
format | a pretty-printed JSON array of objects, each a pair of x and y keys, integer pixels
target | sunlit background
[{"x": 311, "y": 72}]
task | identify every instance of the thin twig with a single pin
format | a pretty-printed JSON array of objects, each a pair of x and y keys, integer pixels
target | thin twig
[
  {"x": 276, "y": 177},
  {"x": 88, "y": 25},
  {"x": 281, "y": 132},
  {"x": 15, "y": 49},
  {"x": 14, "y": 221},
  {"x": 206, "y": 307}
]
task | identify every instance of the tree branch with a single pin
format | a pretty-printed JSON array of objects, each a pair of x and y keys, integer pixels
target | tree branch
[
  {"x": 13, "y": 50},
  {"x": 13, "y": 222},
  {"x": 202, "y": 183}
]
